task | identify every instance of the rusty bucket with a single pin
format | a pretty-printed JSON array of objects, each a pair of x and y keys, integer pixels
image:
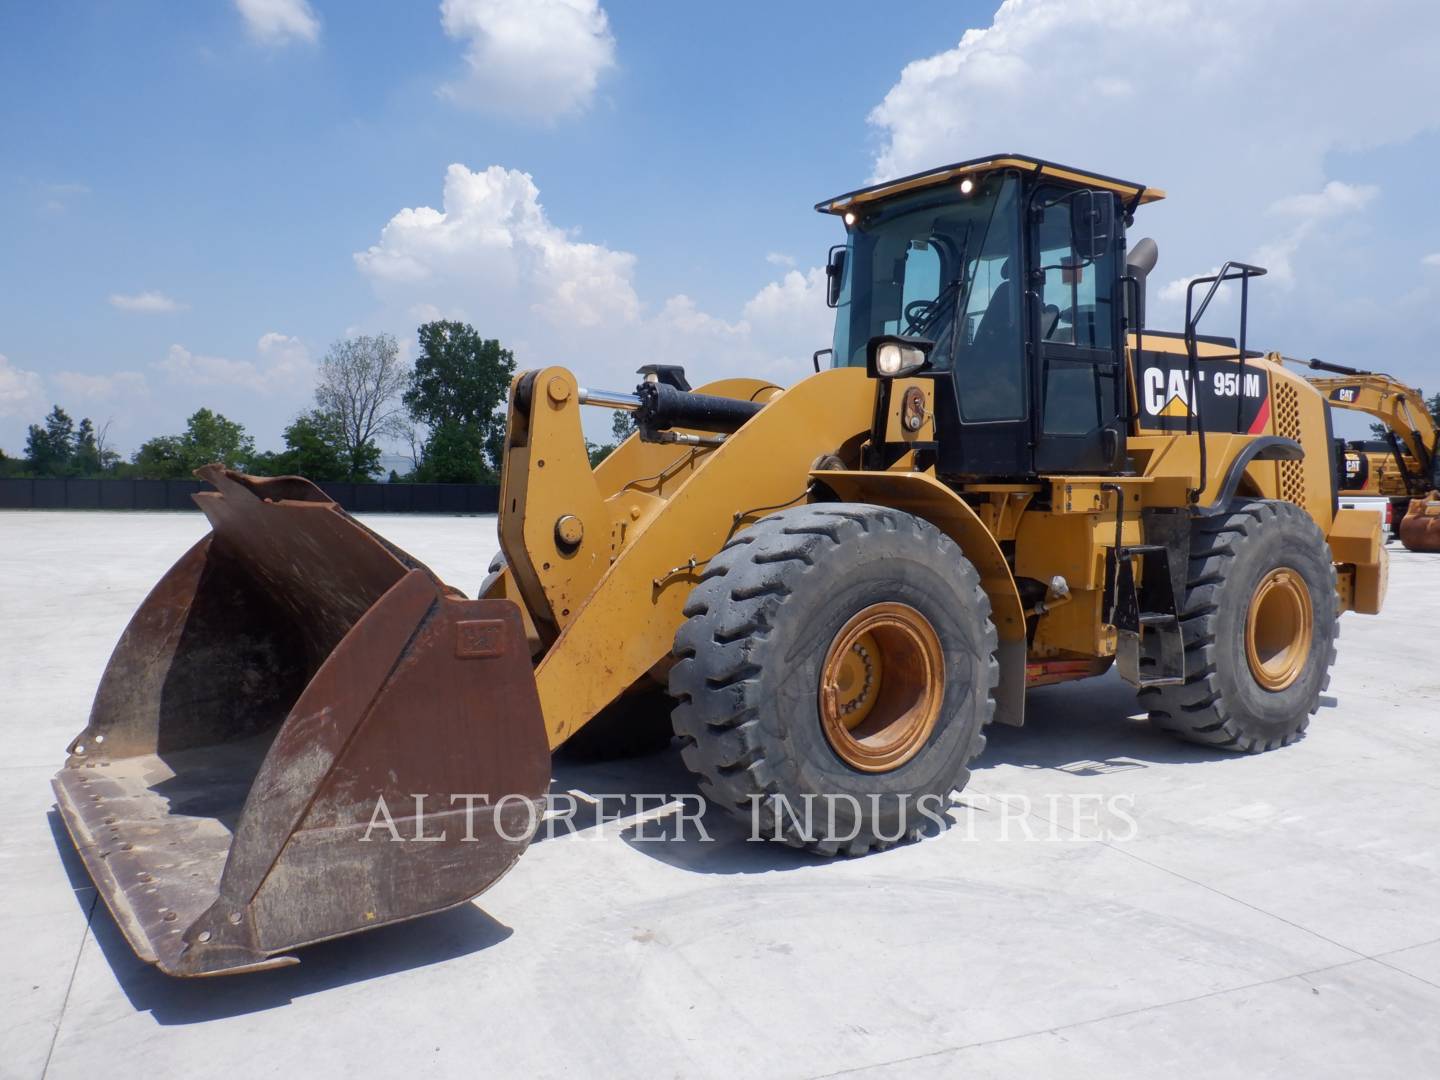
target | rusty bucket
[
  {"x": 302, "y": 733},
  {"x": 1420, "y": 527}
]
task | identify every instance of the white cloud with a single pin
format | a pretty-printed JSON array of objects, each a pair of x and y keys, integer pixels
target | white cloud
[
  {"x": 492, "y": 257},
  {"x": 1230, "y": 105},
  {"x": 56, "y": 198},
  {"x": 1307, "y": 210},
  {"x": 282, "y": 366},
  {"x": 536, "y": 58},
  {"x": 681, "y": 315},
  {"x": 90, "y": 387},
  {"x": 1028, "y": 72},
  {"x": 149, "y": 303},
  {"x": 492, "y": 244},
  {"x": 775, "y": 258},
  {"x": 22, "y": 392},
  {"x": 1430, "y": 260},
  {"x": 1334, "y": 199},
  {"x": 791, "y": 314},
  {"x": 279, "y": 22}
]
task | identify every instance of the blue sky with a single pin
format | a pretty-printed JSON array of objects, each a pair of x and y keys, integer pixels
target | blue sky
[{"x": 196, "y": 199}]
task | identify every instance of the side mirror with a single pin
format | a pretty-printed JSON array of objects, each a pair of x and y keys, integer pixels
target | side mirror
[
  {"x": 1092, "y": 223},
  {"x": 834, "y": 275}
]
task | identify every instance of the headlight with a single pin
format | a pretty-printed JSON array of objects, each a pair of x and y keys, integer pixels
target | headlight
[
  {"x": 890, "y": 359},
  {"x": 895, "y": 357}
]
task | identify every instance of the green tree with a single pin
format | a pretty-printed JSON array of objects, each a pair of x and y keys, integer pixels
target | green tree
[
  {"x": 49, "y": 449},
  {"x": 456, "y": 389},
  {"x": 454, "y": 454},
  {"x": 209, "y": 437},
  {"x": 315, "y": 443},
  {"x": 622, "y": 425},
  {"x": 315, "y": 449},
  {"x": 10, "y": 466},
  {"x": 160, "y": 458},
  {"x": 86, "y": 458},
  {"x": 360, "y": 381}
]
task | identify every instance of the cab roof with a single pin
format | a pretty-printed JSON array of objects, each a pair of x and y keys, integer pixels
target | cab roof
[{"x": 1128, "y": 190}]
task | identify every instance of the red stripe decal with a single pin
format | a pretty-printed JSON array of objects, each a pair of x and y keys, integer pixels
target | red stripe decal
[{"x": 1261, "y": 417}]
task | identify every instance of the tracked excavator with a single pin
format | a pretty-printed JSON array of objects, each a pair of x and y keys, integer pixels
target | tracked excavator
[{"x": 1405, "y": 467}]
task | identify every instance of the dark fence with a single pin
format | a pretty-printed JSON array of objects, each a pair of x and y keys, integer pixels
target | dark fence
[{"x": 19, "y": 494}]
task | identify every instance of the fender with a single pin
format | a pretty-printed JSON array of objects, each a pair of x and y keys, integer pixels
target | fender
[
  {"x": 1263, "y": 448},
  {"x": 925, "y": 497}
]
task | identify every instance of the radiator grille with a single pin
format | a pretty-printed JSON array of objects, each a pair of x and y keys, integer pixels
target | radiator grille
[{"x": 1287, "y": 426}]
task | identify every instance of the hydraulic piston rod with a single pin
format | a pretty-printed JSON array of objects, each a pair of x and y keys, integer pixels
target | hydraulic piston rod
[{"x": 659, "y": 407}]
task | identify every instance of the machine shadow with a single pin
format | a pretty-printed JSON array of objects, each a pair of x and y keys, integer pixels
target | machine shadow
[
  {"x": 1092, "y": 727},
  {"x": 628, "y": 797},
  {"x": 330, "y": 964},
  {"x": 1089, "y": 727}
]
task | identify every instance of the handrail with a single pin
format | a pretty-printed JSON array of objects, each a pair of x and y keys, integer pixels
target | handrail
[{"x": 1231, "y": 271}]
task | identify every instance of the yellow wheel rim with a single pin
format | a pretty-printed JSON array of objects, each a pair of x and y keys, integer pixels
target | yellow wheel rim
[
  {"x": 1279, "y": 629},
  {"x": 881, "y": 687}
]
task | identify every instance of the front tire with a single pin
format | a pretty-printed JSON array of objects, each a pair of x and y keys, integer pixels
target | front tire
[
  {"x": 1260, "y": 619},
  {"x": 839, "y": 657}
]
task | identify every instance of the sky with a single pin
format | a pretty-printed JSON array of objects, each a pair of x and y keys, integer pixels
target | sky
[{"x": 197, "y": 199}]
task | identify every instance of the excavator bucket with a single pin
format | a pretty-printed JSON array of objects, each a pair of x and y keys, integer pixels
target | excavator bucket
[
  {"x": 302, "y": 733},
  {"x": 1420, "y": 527}
]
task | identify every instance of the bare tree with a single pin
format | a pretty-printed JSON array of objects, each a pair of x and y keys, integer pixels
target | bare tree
[
  {"x": 406, "y": 432},
  {"x": 360, "y": 382},
  {"x": 103, "y": 450}
]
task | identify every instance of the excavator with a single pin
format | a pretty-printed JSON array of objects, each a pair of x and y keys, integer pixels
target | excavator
[
  {"x": 1405, "y": 468},
  {"x": 1003, "y": 478}
]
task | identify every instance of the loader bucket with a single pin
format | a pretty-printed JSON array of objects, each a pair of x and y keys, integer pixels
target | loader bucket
[
  {"x": 302, "y": 733},
  {"x": 1420, "y": 527}
]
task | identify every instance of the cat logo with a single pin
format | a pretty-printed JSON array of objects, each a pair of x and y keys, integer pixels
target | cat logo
[
  {"x": 1225, "y": 395},
  {"x": 1176, "y": 406},
  {"x": 1167, "y": 393},
  {"x": 1346, "y": 394}
]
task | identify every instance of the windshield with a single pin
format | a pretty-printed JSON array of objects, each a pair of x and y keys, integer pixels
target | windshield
[{"x": 943, "y": 266}]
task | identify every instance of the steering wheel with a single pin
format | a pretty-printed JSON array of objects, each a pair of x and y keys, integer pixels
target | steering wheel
[{"x": 918, "y": 314}]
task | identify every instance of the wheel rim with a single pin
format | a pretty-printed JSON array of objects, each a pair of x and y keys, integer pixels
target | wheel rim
[
  {"x": 881, "y": 687},
  {"x": 1279, "y": 629}
]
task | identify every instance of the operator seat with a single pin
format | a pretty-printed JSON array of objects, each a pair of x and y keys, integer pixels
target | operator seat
[{"x": 997, "y": 327}]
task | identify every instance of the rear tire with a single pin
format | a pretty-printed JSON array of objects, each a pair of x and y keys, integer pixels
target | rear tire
[
  {"x": 1259, "y": 623},
  {"x": 780, "y": 675},
  {"x": 497, "y": 567}
]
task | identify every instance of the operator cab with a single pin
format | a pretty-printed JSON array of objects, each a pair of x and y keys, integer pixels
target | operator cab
[{"x": 1007, "y": 275}]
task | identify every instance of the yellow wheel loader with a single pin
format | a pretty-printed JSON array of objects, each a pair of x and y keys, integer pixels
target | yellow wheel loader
[{"x": 1002, "y": 479}]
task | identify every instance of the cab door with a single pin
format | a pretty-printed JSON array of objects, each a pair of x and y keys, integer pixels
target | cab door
[{"x": 1074, "y": 302}]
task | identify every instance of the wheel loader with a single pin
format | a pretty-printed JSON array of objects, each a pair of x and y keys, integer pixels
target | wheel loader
[{"x": 1002, "y": 478}]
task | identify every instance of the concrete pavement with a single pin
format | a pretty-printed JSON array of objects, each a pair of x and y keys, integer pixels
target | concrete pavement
[{"x": 1108, "y": 901}]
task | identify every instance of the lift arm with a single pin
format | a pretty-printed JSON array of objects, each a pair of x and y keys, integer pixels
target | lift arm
[{"x": 1399, "y": 407}]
